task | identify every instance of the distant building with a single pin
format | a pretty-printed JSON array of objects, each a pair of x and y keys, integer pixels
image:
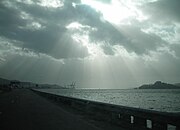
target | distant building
[{"x": 15, "y": 84}]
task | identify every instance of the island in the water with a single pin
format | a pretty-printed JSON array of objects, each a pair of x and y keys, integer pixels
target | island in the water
[{"x": 160, "y": 85}]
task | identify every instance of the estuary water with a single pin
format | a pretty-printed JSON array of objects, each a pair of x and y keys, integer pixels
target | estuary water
[{"x": 167, "y": 100}]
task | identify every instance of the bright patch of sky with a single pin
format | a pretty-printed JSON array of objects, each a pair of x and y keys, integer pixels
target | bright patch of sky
[
  {"x": 45, "y": 3},
  {"x": 117, "y": 12},
  {"x": 25, "y": 16},
  {"x": 80, "y": 34},
  {"x": 51, "y": 3},
  {"x": 78, "y": 26},
  {"x": 93, "y": 49}
]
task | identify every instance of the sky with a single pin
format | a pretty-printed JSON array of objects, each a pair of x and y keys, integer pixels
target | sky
[{"x": 96, "y": 43}]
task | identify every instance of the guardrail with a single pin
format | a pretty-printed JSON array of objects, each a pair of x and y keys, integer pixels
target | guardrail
[{"x": 128, "y": 117}]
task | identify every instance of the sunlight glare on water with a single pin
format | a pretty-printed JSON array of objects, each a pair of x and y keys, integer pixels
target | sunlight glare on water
[{"x": 160, "y": 100}]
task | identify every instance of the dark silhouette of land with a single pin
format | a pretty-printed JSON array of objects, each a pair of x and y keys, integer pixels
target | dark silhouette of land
[
  {"x": 20, "y": 84},
  {"x": 22, "y": 109},
  {"x": 177, "y": 84},
  {"x": 159, "y": 85}
]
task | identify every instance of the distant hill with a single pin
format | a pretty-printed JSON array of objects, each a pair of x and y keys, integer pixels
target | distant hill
[
  {"x": 159, "y": 85},
  {"x": 177, "y": 84},
  {"x": 20, "y": 84}
]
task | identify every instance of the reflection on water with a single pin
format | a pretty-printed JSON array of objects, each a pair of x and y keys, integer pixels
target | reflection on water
[{"x": 153, "y": 99}]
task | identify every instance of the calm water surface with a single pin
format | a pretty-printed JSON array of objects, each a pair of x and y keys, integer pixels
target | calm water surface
[{"x": 154, "y": 99}]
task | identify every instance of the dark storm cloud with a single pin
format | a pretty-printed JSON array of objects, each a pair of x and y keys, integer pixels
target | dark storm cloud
[
  {"x": 176, "y": 48},
  {"x": 31, "y": 34},
  {"x": 130, "y": 37},
  {"x": 9, "y": 17},
  {"x": 108, "y": 49},
  {"x": 163, "y": 10},
  {"x": 54, "y": 39},
  {"x": 140, "y": 42}
]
